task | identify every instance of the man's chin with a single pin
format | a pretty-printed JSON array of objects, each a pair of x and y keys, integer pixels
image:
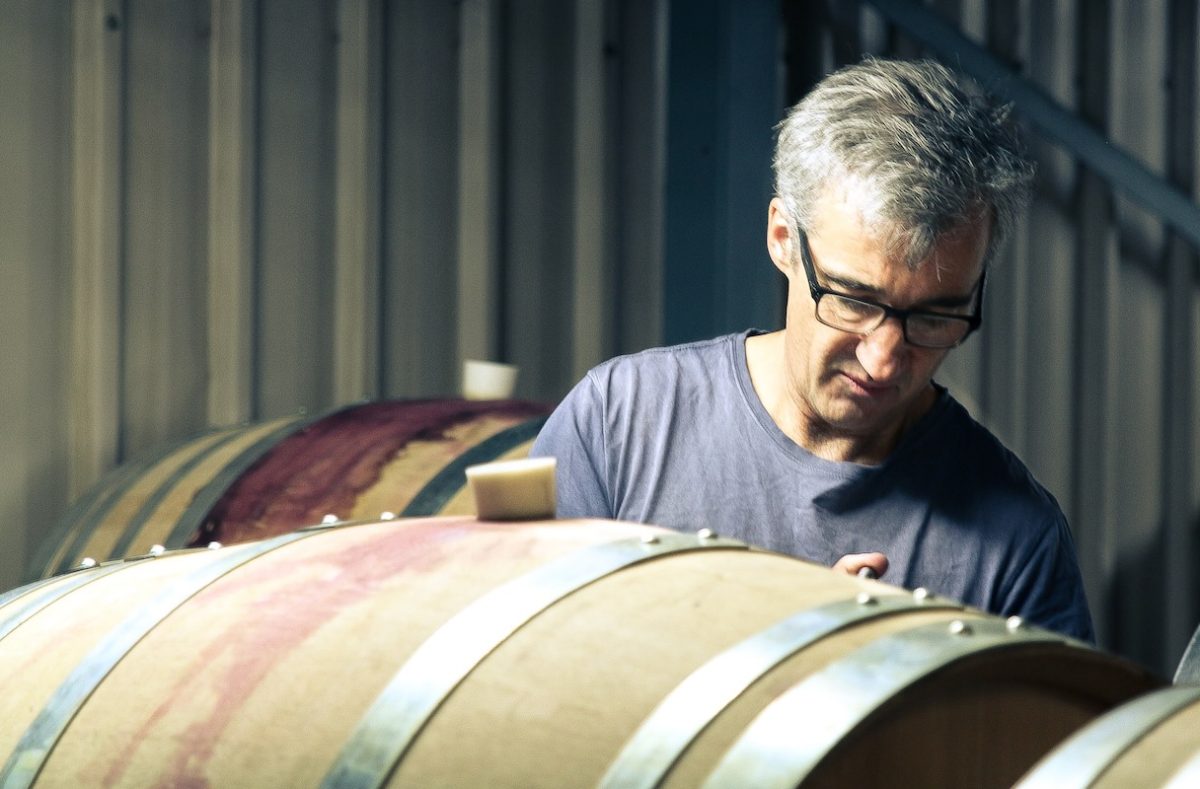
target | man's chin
[
  {"x": 855, "y": 415},
  {"x": 849, "y": 422}
]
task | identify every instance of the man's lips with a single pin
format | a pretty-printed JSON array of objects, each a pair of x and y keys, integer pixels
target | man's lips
[{"x": 867, "y": 386}]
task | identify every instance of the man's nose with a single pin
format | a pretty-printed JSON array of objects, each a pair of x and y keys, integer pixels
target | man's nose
[{"x": 881, "y": 353}]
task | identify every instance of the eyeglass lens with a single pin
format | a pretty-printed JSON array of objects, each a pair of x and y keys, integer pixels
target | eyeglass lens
[{"x": 847, "y": 314}]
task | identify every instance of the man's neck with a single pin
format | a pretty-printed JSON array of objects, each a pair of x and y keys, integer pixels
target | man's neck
[{"x": 765, "y": 359}]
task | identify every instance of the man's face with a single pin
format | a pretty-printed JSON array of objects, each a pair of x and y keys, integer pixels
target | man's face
[{"x": 860, "y": 390}]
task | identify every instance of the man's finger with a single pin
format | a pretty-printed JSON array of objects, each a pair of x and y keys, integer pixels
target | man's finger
[{"x": 866, "y": 565}]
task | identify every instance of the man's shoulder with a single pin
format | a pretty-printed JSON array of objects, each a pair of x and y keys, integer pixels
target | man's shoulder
[
  {"x": 992, "y": 472},
  {"x": 652, "y": 365}
]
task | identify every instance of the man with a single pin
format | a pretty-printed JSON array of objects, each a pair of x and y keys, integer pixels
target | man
[{"x": 829, "y": 440}]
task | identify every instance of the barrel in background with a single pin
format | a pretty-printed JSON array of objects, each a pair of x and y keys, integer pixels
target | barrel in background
[
  {"x": 251, "y": 482},
  {"x": 1188, "y": 670},
  {"x": 1145, "y": 743},
  {"x": 452, "y": 652}
]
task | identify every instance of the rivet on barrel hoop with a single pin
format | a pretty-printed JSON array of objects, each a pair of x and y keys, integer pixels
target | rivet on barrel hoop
[
  {"x": 650, "y": 539},
  {"x": 920, "y": 594},
  {"x": 157, "y": 550},
  {"x": 706, "y": 534},
  {"x": 86, "y": 563},
  {"x": 866, "y": 599},
  {"x": 1014, "y": 623},
  {"x": 960, "y": 628},
  {"x": 387, "y": 516},
  {"x": 329, "y": 519},
  {"x": 214, "y": 545}
]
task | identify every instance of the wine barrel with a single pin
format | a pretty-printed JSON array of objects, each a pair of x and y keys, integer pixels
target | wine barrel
[
  {"x": 246, "y": 483},
  {"x": 1146, "y": 743},
  {"x": 1188, "y": 671},
  {"x": 449, "y": 652}
]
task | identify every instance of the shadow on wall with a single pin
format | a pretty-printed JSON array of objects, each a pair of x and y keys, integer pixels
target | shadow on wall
[
  {"x": 1135, "y": 620},
  {"x": 1139, "y": 601}
]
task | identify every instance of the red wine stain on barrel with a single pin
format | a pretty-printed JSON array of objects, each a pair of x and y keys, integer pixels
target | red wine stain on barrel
[
  {"x": 323, "y": 468},
  {"x": 283, "y": 609}
]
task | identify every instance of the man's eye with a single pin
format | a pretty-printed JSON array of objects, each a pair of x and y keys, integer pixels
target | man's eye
[{"x": 933, "y": 321}]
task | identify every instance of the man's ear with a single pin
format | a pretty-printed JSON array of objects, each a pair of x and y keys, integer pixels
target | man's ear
[{"x": 780, "y": 243}]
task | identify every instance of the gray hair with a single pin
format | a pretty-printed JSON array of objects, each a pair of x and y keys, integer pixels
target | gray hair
[{"x": 922, "y": 149}]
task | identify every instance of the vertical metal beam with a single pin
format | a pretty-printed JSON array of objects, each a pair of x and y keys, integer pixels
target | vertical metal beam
[
  {"x": 1004, "y": 28},
  {"x": 539, "y": 163},
  {"x": 1046, "y": 397},
  {"x": 232, "y": 215},
  {"x": 97, "y": 174},
  {"x": 845, "y": 23},
  {"x": 690, "y": 193},
  {"x": 594, "y": 284},
  {"x": 1179, "y": 407},
  {"x": 479, "y": 172},
  {"x": 638, "y": 306},
  {"x": 752, "y": 287},
  {"x": 294, "y": 272},
  {"x": 1003, "y": 338},
  {"x": 358, "y": 201},
  {"x": 802, "y": 62},
  {"x": 950, "y": 10},
  {"x": 721, "y": 107},
  {"x": 1094, "y": 385},
  {"x": 35, "y": 237}
]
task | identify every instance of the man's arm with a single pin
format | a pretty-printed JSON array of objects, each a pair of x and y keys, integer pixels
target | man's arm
[
  {"x": 574, "y": 436},
  {"x": 1048, "y": 590}
]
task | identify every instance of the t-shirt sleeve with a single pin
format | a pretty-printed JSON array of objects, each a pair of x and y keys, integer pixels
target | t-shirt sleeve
[
  {"x": 1048, "y": 590},
  {"x": 574, "y": 436}
]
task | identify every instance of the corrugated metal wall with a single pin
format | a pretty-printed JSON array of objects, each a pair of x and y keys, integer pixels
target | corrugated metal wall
[
  {"x": 233, "y": 210},
  {"x": 35, "y": 254},
  {"x": 223, "y": 210}
]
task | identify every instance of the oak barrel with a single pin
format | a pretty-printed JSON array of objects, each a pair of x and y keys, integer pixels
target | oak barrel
[
  {"x": 1149, "y": 742},
  {"x": 452, "y": 652},
  {"x": 1188, "y": 670},
  {"x": 245, "y": 483}
]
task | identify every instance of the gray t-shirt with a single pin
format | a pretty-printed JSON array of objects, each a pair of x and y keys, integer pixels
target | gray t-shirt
[{"x": 679, "y": 438}]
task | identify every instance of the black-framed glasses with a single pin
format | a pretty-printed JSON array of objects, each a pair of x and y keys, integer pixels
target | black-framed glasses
[{"x": 922, "y": 328}]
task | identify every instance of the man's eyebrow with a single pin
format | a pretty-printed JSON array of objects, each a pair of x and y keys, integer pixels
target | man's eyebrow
[
  {"x": 948, "y": 301},
  {"x": 856, "y": 287},
  {"x": 846, "y": 283}
]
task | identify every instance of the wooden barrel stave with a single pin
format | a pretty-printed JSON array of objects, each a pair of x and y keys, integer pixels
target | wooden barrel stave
[
  {"x": 1145, "y": 743},
  {"x": 134, "y": 509},
  {"x": 1010, "y": 703},
  {"x": 1156, "y": 759},
  {"x": 39, "y": 655},
  {"x": 645, "y": 617},
  {"x": 141, "y": 503},
  {"x": 417, "y": 465},
  {"x": 1188, "y": 670},
  {"x": 461, "y": 501},
  {"x": 66, "y": 543},
  {"x": 173, "y": 515}
]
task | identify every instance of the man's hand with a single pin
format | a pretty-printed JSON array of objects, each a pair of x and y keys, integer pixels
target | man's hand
[{"x": 853, "y": 563}]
